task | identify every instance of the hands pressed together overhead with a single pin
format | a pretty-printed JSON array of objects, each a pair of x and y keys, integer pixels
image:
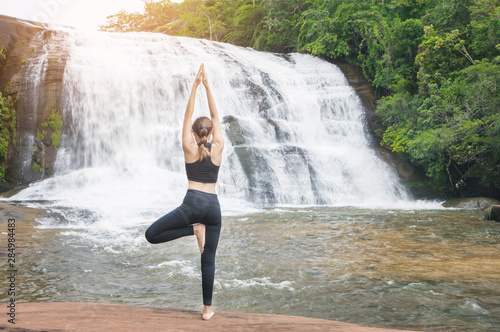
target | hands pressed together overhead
[{"x": 201, "y": 77}]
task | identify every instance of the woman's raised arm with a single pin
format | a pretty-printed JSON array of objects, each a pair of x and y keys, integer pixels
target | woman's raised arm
[
  {"x": 217, "y": 140},
  {"x": 187, "y": 137}
]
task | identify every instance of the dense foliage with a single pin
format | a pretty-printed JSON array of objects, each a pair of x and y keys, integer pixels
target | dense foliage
[
  {"x": 437, "y": 64},
  {"x": 7, "y": 129},
  {"x": 7, "y": 121}
]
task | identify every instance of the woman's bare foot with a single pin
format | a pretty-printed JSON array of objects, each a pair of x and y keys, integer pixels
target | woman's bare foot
[
  {"x": 207, "y": 312},
  {"x": 199, "y": 231}
]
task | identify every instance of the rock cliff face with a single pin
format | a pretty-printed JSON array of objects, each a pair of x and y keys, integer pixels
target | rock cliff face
[
  {"x": 369, "y": 97},
  {"x": 32, "y": 154}
]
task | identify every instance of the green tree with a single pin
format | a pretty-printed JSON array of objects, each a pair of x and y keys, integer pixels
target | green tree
[
  {"x": 448, "y": 15},
  {"x": 332, "y": 29},
  {"x": 484, "y": 29},
  {"x": 7, "y": 129},
  {"x": 124, "y": 22},
  {"x": 277, "y": 30},
  {"x": 247, "y": 15},
  {"x": 455, "y": 133}
]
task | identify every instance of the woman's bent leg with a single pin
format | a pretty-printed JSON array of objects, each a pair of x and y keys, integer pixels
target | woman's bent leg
[{"x": 171, "y": 226}]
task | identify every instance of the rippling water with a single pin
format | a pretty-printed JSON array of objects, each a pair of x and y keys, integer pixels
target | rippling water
[{"x": 415, "y": 269}]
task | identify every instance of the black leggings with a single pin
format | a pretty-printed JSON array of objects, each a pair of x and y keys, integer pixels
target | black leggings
[{"x": 197, "y": 207}]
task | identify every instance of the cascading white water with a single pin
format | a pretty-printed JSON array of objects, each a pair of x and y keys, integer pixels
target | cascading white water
[{"x": 294, "y": 128}]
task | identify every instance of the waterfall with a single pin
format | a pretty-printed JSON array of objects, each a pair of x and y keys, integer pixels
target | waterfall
[{"x": 294, "y": 129}]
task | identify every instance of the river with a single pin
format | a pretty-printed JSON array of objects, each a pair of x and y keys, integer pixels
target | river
[{"x": 426, "y": 269}]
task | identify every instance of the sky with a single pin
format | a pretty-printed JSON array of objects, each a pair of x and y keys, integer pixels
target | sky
[{"x": 82, "y": 14}]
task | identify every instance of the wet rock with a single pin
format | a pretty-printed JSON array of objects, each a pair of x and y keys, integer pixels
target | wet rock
[
  {"x": 28, "y": 160},
  {"x": 233, "y": 131},
  {"x": 369, "y": 96},
  {"x": 15, "y": 37},
  {"x": 259, "y": 94},
  {"x": 492, "y": 213},
  {"x": 476, "y": 203},
  {"x": 281, "y": 135},
  {"x": 256, "y": 169},
  {"x": 268, "y": 100},
  {"x": 366, "y": 92}
]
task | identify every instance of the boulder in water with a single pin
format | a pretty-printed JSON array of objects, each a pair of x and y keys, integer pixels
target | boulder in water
[
  {"x": 475, "y": 203},
  {"x": 492, "y": 213}
]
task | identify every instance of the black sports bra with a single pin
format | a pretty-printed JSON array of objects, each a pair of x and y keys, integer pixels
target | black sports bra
[{"x": 203, "y": 171}]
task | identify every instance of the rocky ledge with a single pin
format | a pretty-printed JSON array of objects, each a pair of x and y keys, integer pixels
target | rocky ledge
[{"x": 58, "y": 316}]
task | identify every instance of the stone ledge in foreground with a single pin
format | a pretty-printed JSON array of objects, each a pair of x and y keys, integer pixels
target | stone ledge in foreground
[{"x": 63, "y": 316}]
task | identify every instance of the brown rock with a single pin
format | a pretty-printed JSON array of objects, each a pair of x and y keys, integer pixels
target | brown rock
[
  {"x": 23, "y": 41},
  {"x": 492, "y": 213},
  {"x": 365, "y": 90},
  {"x": 369, "y": 97},
  {"x": 115, "y": 317}
]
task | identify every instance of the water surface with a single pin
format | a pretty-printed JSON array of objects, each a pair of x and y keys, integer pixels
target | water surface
[{"x": 415, "y": 269}]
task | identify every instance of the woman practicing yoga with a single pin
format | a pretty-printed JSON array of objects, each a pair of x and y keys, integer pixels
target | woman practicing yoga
[{"x": 199, "y": 213}]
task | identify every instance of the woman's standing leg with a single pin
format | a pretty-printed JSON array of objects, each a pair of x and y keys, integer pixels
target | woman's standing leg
[
  {"x": 208, "y": 262},
  {"x": 212, "y": 234}
]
